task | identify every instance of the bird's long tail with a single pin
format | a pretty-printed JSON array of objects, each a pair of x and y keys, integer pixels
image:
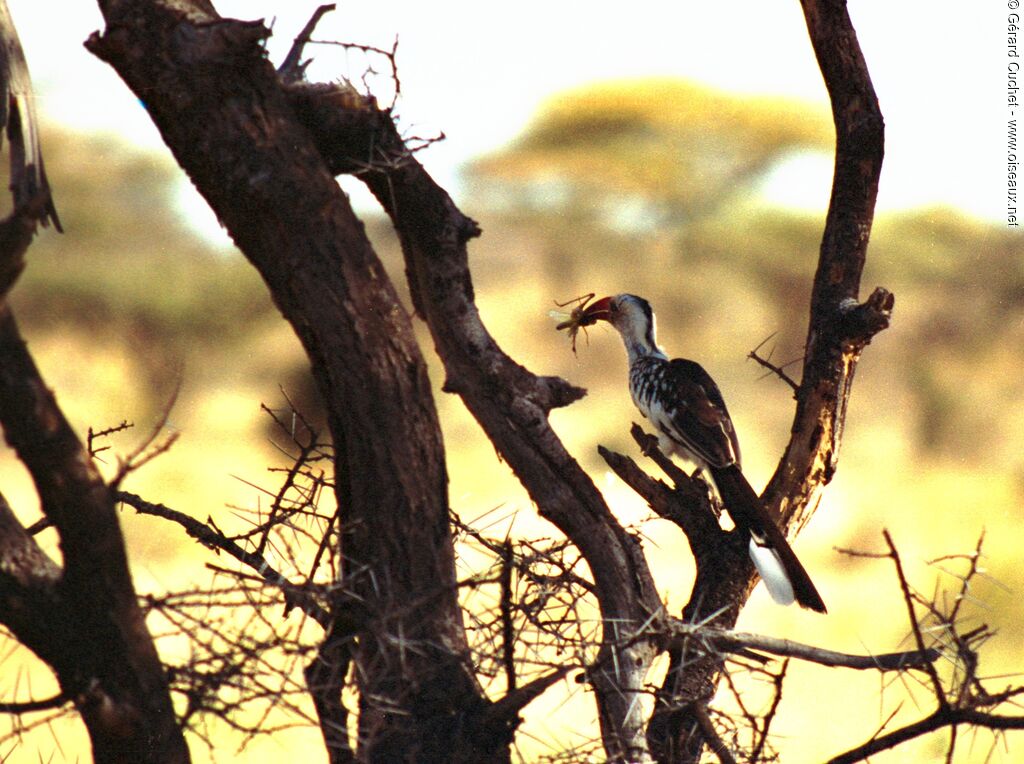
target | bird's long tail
[{"x": 773, "y": 557}]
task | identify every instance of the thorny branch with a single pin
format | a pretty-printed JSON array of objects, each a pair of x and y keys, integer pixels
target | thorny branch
[
  {"x": 762, "y": 735},
  {"x": 726, "y": 640},
  {"x": 915, "y": 627},
  {"x": 92, "y": 436},
  {"x": 243, "y": 660},
  {"x": 152, "y": 446},
  {"x": 961, "y": 698},
  {"x": 778, "y": 371},
  {"x": 296, "y": 595}
]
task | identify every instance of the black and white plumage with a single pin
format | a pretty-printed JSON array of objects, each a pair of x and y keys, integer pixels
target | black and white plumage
[{"x": 688, "y": 412}]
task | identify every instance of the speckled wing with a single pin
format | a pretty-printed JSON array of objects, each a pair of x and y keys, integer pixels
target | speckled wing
[{"x": 699, "y": 419}]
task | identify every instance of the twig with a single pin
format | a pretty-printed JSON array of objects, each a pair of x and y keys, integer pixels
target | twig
[
  {"x": 861, "y": 553},
  {"x": 306, "y": 450},
  {"x": 714, "y": 740},
  {"x": 908, "y": 598},
  {"x": 507, "y": 626},
  {"x": 214, "y": 539},
  {"x": 31, "y": 706},
  {"x": 514, "y": 702},
  {"x": 149, "y": 449},
  {"x": 769, "y": 717},
  {"x": 390, "y": 55},
  {"x": 293, "y": 68},
  {"x": 92, "y": 436},
  {"x": 778, "y": 371},
  {"x": 39, "y": 525}
]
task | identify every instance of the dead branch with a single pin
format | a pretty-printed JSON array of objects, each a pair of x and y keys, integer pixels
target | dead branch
[
  {"x": 726, "y": 640},
  {"x": 778, "y": 371},
  {"x": 962, "y": 698},
  {"x": 293, "y": 68},
  {"x": 835, "y": 338},
  {"x": 296, "y": 595}
]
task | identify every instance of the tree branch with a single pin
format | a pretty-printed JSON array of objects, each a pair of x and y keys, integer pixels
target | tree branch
[
  {"x": 840, "y": 327},
  {"x": 726, "y": 640},
  {"x": 326, "y": 676},
  {"x": 912, "y": 616},
  {"x": 28, "y": 581},
  {"x": 293, "y": 68},
  {"x": 33, "y": 706},
  {"x": 722, "y": 584},
  {"x": 295, "y": 595},
  {"x": 762, "y": 732},
  {"x": 777, "y": 371},
  {"x": 707, "y": 728},
  {"x": 942, "y": 717}
]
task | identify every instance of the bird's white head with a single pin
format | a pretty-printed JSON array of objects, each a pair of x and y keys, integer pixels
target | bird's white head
[{"x": 632, "y": 317}]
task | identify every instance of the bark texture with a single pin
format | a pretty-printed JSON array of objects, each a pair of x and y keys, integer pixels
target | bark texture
[{"x": 222, "y": 111}]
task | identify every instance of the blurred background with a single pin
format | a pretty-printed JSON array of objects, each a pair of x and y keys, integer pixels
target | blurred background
[{"x": 678, "y": 151}]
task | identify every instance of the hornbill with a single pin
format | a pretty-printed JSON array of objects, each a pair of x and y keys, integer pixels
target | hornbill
[{"x": 688, "y": 412}]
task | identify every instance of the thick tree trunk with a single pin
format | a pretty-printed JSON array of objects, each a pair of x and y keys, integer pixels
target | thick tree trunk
[{"x": 220, "y": 108}]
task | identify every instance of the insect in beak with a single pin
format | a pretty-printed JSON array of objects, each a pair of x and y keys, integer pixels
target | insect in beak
[{"x": 582, "y": 314}]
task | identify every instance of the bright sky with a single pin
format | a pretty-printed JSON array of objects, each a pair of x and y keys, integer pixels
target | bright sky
[{"x": 478, "y": 71}]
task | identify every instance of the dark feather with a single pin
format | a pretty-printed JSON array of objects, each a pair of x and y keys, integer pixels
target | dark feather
[
  {"x": 748, "y": 512},
  {"x": 700, "y": 419}
]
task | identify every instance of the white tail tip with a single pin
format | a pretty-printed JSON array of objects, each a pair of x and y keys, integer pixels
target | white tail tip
[{"x": 769, "y": 566}]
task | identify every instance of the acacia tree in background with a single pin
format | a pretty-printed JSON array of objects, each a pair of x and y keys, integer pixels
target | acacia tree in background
[{"x": 379, "y": 585}]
